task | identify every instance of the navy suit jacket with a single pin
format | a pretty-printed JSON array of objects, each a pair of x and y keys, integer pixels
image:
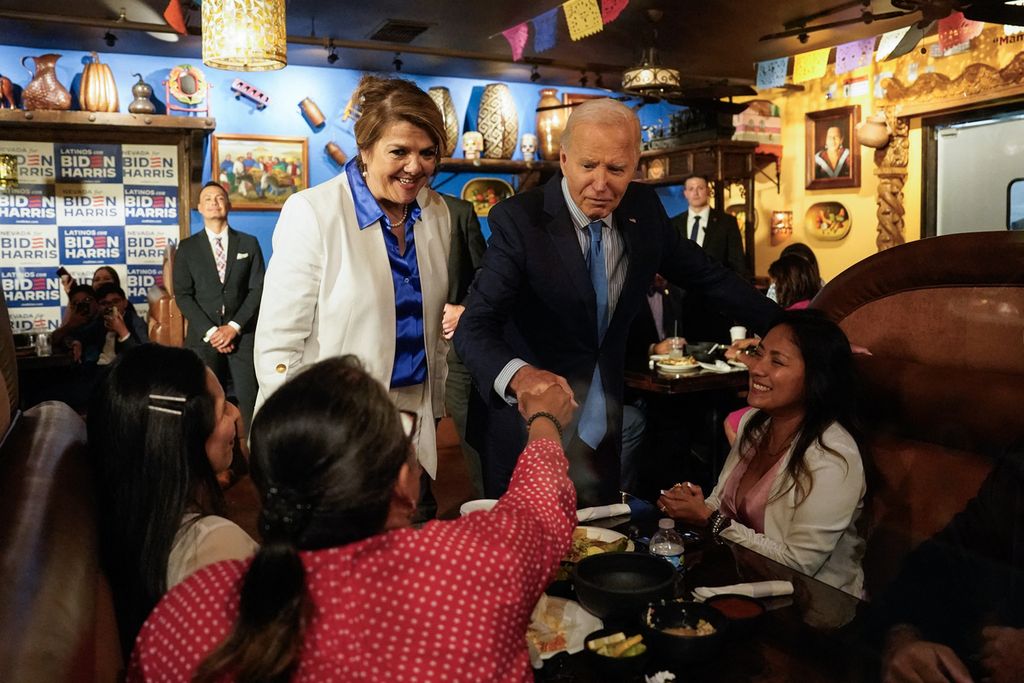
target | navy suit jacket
[
  {"x": 532, "y": 299},
  {"x": 200, "y": 294}
]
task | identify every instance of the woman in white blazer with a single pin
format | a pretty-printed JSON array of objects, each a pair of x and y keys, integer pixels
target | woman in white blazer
[
  {"x": 360, "y": 262},
  {"x": 793, "y": 485}
]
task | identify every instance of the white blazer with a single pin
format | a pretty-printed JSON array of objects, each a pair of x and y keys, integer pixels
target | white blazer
[
  {"x": 328, "y": 292},
  {"x": 818, "y": 537}
]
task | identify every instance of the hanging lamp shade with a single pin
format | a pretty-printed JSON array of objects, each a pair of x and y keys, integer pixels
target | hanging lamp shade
[
  {"x": 244, "y": 35},
  {"x": 650, "y": 77}
]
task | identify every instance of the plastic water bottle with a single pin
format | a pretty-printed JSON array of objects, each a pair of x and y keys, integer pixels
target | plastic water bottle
[{"x": 668, "y": 544}]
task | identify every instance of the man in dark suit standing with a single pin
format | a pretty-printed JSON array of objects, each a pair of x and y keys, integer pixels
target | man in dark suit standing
[
  {"x": 718, "y": 234},
  {"x": 565, "y": 272},
  {"x": 467, "y": 250},
  {"x": 218, "y": 281}
]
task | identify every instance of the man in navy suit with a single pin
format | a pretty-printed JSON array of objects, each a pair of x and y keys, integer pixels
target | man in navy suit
[
  {"x": 218, "y": 282},
  {"x": 567, "y": 268}
]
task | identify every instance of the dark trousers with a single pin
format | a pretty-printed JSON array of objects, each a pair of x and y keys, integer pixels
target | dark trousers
[
  {"x": 237, "y": 365},
  {"x": 457, "y": 391},
  {"x": 594, "y": 471}
]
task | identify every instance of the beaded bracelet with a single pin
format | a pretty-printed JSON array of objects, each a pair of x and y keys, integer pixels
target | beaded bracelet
[
  {"x": 549, "y": 416},
  {"x": 717, "y": 523}
]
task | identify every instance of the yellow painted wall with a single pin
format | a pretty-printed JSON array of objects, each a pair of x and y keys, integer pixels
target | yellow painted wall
[{"x": 836, "y": 256}]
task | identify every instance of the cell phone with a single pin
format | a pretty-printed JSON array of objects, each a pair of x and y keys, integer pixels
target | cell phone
[{"x": 63, "y": 274}]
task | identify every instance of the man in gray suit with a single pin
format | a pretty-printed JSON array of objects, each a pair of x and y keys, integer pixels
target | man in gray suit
[
  {"x": 467, "y": 251},
  {"x": 218, "y": 282}
]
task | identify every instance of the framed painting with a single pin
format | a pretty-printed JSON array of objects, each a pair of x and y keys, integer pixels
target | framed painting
[
  {"x": 260, "y": 172},
  {"x": 833, "y": 155}
]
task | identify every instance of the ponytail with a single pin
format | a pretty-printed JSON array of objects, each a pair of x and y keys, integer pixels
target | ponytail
[{"x": 274, "y": 608}]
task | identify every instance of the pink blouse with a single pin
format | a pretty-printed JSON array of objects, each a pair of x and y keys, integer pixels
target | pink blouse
[
  {"x": 750, "y": 511},
  {"x": 448, "y": 602}
]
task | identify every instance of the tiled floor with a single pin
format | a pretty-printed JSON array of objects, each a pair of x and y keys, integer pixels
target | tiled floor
[{"x": 451, "y": 489}]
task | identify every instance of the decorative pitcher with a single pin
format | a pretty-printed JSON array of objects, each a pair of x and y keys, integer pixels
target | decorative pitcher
[
  {"x": 873, "y": 131},
  {"x": 498, "y": 122},
  {"x": 550, "y": 124},
  {"x": 44, "y": 91},
  {"x": 443, "y": 99}
]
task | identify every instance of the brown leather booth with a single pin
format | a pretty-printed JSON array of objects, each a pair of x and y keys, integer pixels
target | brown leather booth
[
  {"x": 943, "y": 390},
  {"x": 56, "y": 614}
]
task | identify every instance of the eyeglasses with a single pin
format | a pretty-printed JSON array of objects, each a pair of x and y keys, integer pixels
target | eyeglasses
[{"x": 410, "y": 423}]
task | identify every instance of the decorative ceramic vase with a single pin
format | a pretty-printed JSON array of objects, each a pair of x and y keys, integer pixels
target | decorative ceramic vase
[
  {"x": 97, "y": 90},
  {"x": 550, "y": 123},
  {"x": 443, "y": 99},
  {"x": 336, "y": 153},
  {"x": 141, "y": 91},
  {"x": 873, "y": 131},
  {"x": 314, "y": 117},
  {"x": 44, "y": 91},
  {"x": 498, "y": 122}
]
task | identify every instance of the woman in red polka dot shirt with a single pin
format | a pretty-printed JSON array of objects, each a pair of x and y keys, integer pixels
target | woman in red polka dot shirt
[{"x": 343, "y": 588}]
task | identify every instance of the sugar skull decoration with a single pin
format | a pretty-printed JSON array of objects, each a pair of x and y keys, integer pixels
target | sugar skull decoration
[
  {"x": 472, "y": 144},
  {"x": 529, "y": 146}
]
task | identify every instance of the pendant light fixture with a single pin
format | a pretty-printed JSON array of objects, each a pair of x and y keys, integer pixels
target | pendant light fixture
[
  {"x": 244, "y": 35},
  {"x": 649, "y": 77}
]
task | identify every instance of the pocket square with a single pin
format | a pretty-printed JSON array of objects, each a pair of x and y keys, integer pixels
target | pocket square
[{"x": 240, "y": 256}]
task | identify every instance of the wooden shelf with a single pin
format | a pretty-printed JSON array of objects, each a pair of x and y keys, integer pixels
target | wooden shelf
[
  {"x": 496, "y": 165},
  {"x": 531, "y": 173},
  {"x": 719, "y": 160},
  {"x": 105, "y": 120}
]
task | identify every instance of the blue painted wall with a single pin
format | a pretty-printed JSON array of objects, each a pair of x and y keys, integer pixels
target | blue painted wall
[{"x": 329, "y": 87}]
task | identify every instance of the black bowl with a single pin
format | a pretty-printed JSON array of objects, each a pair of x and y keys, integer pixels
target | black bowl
[
  {"x": 678, "y": 648},
  {"x": 620, "y": 585},
  {"x": 743, "y": 612},
  {"x": 615, "y": 668}
]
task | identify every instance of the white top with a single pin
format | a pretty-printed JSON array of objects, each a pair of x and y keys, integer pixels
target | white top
[
  {"x": 819, "y": 537},
  {"x": 204, "y": 540}
]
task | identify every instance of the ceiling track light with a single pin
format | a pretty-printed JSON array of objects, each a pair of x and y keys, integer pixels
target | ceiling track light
[
  {"x": 397, "y": 61},
  {"x": 583, "y": 79},
  {"x": 332, "y": 54},
  {"x": 534, "y": 74},
  {"x": 109, "y": 38}
]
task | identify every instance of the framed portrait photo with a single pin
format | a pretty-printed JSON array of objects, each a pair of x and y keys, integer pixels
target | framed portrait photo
[
  {"x": 260, "y": 172},
  {"x": 833, "y": 155}
]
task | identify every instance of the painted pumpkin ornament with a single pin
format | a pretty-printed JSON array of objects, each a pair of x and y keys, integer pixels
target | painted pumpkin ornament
[{"x": 98, "y": 91}]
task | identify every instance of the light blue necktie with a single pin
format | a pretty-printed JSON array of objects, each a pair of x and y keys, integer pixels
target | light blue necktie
[{"x": 593, "y": 418}]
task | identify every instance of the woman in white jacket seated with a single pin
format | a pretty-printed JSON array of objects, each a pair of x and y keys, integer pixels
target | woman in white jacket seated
[{"x": 793, "y": 485}]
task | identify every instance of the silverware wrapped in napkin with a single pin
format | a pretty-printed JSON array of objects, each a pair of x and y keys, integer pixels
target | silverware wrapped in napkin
[{"x": 760, "y": 589}]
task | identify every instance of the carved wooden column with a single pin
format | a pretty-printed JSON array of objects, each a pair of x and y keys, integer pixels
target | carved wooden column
[{"x": 891, "y": 169}]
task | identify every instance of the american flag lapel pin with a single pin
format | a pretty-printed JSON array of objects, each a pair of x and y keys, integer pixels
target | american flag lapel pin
[{"x": 632, "y": 220}]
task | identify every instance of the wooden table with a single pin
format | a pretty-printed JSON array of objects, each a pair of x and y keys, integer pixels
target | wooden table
[
  {"x": 658, "y": 385},
  {"x": 812, "y": 636}
]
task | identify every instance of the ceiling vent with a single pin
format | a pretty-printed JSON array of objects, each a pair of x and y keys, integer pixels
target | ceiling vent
[{"x": 399, "y": 31}]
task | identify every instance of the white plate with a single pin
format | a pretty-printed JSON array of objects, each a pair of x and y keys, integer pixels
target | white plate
[
  {"x": 606, "y": 535},
  {"x": 678, "y": 369},
  {"x": 738, "y": 365},
  {"x": 659, "y": 356},
  {"x": 479, "y": 504}
]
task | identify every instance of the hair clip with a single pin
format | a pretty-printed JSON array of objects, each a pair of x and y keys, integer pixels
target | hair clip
[
  {"x": 161, "y": 397},
  {"x": 165, "y": 410}
]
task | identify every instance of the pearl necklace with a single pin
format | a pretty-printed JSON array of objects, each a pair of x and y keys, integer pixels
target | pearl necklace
[{"x": 401, "y": 221}]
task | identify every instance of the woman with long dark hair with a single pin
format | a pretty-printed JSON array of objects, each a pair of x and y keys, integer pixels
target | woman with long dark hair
[
  {"x": 796, "y": 281},
  {"x": 793, "y": 485},
  {"x": 343, "y": 588},
  {"x": 159, "y": 433}
]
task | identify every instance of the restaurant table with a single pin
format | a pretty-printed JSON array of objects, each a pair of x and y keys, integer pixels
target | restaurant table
[
  {"x": 39, "y": 375},
  {"x": 811, "y": 636},
  {"x": 659, "y": 386}
]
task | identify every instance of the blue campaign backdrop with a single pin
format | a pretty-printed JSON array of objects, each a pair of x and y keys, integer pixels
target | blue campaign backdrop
[{"x": 329, "y": 87}]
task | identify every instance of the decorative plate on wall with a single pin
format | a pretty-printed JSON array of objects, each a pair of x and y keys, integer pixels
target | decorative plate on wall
[
  {"x": 485, "y": 193},
  {"x": 828, "y": 221}
]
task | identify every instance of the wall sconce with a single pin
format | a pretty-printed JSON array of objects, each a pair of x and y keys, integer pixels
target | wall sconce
[
  {"x": 244, "y": 35},
  {"x": 782, "y": 227},
  {"x": 8, "y": 171}
]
